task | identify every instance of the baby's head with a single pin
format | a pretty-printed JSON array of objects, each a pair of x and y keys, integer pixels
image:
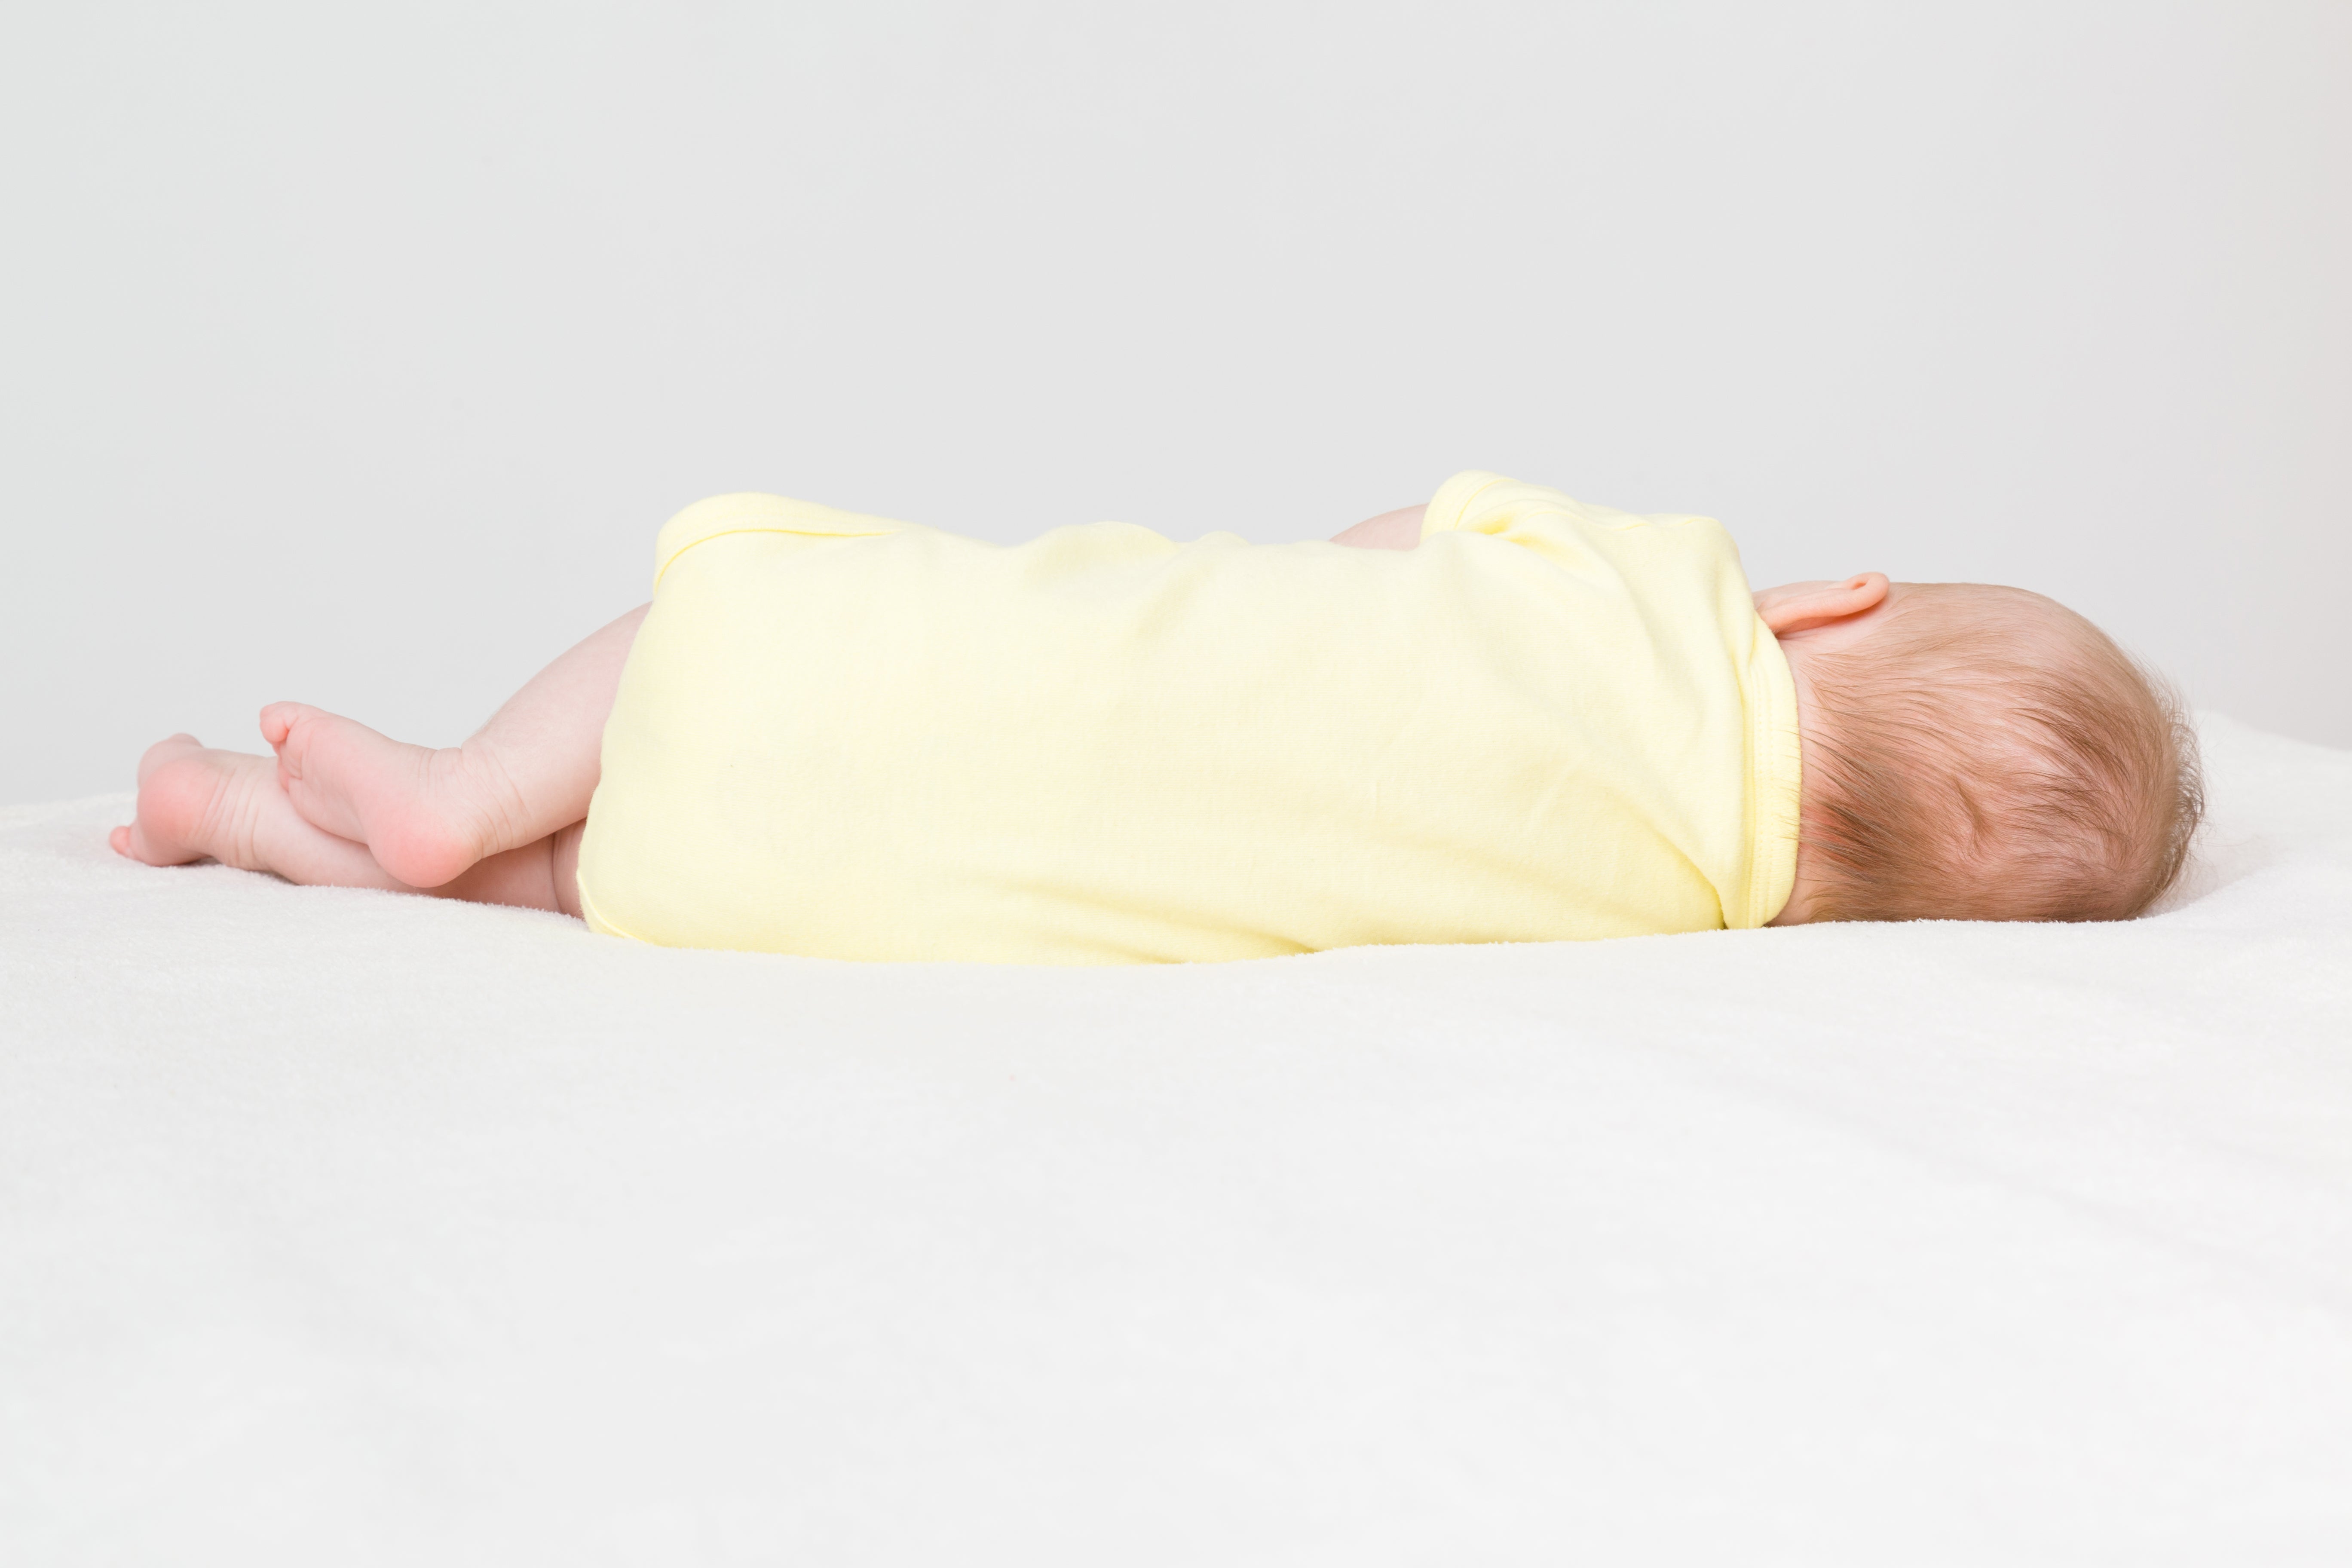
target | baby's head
[{"x": 1975, "y": 753}]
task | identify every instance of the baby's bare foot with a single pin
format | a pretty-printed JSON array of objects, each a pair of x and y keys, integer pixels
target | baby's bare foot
[
  {"x": 425, "y": 815},
  {"x": 154, "y": 836},
  {"x": 199, "y": 805}
]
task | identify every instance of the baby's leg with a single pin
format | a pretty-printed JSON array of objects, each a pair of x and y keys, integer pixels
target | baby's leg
[
  {"x": 542, "y": 875},
  {"x": 425, "y": 815},
  {"x": 195, "y": 803}
]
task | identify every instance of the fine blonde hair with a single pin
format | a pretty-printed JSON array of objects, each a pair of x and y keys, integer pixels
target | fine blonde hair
[{"x": 1989, "y": 755}]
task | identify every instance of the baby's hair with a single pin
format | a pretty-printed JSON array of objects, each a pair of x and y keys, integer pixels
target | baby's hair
[{"x": 1989, "y": 755}]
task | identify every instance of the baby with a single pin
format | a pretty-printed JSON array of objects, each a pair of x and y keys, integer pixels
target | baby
[{"x": 1504, "y": 716}]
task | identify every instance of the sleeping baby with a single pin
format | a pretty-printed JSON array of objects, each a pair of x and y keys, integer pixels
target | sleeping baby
[{"x": 1506, "y": 716}]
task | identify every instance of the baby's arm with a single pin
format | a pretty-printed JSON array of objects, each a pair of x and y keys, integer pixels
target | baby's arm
[{"x": 1399, "y": 530}]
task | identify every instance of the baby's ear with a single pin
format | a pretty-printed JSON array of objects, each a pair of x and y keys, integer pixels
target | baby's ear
[{"x": 1801, "y": 607}]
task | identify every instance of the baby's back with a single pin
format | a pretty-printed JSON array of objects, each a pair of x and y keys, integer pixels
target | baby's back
[{"x": 847, "y": 737}]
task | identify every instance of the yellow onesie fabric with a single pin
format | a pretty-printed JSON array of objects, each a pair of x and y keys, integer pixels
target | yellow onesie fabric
[{"x": 852, "y": 738}]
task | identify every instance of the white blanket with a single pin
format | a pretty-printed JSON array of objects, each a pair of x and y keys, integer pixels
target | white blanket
[{"x": 343, "y": 1227}]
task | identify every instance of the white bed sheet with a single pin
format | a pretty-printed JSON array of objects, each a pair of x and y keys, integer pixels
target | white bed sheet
[{"x": 336, "y": 1226}]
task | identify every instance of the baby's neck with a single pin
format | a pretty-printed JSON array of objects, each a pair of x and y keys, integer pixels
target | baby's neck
[{"x": 1805, "y": 892}]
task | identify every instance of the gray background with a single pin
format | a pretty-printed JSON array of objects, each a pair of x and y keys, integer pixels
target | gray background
[{"x": 357, "y": 359}]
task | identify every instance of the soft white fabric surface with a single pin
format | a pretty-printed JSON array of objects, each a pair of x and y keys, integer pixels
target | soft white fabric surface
[{"x": 344, "y": 1227}]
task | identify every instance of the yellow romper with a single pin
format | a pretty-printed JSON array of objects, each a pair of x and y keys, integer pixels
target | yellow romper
[{"x": 853, "y": 738}]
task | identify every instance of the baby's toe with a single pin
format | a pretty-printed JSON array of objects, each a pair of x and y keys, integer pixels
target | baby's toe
[{"x": 278, "y": 722}]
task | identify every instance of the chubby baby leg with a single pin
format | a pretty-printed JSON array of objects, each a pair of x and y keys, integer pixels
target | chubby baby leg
[
  {"x": 428, "y": 814},
  {"x": 197, "y": 804},
  {"x": 542, "y": 875},
  {"x": 425, "y": 815}
]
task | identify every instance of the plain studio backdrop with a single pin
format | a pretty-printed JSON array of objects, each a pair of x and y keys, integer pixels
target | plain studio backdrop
[{"x": 355, "y": 354}]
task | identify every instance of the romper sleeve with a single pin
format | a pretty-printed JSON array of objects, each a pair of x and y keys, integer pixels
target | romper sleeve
[{"x": 1474, "y": 501}]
